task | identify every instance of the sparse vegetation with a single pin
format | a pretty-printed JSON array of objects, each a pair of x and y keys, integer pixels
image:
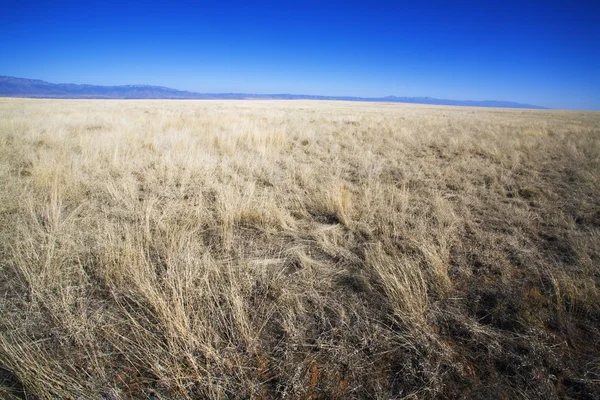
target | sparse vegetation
[{"x": 314, "y": 250}]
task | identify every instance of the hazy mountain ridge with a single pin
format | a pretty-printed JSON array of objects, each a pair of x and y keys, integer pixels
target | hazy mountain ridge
[{"x": 21, "y": 87}]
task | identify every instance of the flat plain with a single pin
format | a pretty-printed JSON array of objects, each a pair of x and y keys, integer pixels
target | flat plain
[{"x": 297, "y": 249}]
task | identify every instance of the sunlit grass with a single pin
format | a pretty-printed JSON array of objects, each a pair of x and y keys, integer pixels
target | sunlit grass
[{"x": 297, "y": 249}]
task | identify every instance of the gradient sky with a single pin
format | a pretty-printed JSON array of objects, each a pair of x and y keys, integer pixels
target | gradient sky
[{"x": 539, "y": 52}]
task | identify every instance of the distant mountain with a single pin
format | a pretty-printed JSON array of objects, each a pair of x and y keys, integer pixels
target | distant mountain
[
  {"x": 20, "y": 87},
  {"x": 467, "y": 103}
]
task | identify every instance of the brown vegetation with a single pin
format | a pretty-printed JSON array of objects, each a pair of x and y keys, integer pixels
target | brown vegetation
[{"x": 312, "y": 250}]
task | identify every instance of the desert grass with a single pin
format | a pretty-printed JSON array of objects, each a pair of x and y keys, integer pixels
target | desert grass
[{"x": 297, "y": 249}]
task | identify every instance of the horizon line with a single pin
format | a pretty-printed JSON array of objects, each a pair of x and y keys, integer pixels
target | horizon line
[{"x": 489, "y": 103}]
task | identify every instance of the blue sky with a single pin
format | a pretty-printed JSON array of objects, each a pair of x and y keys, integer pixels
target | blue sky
[{"x": 539, "y": 52}]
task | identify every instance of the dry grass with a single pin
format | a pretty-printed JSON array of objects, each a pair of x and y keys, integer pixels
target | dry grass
[{"x": 175, "y": 249}]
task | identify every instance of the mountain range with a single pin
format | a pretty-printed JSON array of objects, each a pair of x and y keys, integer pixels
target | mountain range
[{"x": 34, "y": 88}]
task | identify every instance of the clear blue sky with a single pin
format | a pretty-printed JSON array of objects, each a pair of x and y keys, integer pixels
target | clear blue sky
[{"x": 540, "y": 52}]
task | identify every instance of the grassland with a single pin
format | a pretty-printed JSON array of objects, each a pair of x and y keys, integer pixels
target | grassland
[{"x": 299, "y": 250}]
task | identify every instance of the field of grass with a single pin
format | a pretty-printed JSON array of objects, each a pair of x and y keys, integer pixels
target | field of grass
[{"x": 297, "y": 250}]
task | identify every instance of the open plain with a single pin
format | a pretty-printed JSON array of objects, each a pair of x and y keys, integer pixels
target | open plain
[{"x": 297, "y": 249}]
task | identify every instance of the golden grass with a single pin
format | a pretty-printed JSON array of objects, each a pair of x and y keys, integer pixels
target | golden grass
[{"x": 297, "y": 249}]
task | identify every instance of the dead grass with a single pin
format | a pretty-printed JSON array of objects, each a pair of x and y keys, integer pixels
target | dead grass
[{"x": 200, "y": 249}]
